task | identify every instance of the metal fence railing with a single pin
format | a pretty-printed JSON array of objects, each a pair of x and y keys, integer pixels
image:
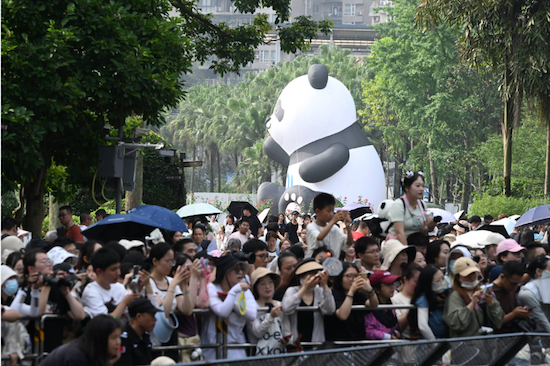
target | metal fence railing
[{"x": 495, "y": 350}]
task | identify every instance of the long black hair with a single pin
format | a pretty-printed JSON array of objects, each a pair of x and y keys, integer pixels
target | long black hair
[
  {"x": 423, "y": 288},
  {"x": 434, "y": 248},
  {"x": 337, "y": 284},
  {"x": 95, "y": 339},
  {"x": 158, "y": 252}
]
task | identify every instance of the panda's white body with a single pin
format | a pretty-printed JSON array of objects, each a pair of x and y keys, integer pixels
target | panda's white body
[
  {"x": 356, "y": 179},
  {"x": 304, "y": 115}
]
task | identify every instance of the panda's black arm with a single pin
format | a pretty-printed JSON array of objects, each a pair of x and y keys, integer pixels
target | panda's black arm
[
  {"x": 275, "y": 151},
  {"x": 325, "y": 164}
]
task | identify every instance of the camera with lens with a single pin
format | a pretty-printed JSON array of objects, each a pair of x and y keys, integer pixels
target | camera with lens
[
  {"x": 244, "y": 257},
  {"x": 57, "y": 282}
]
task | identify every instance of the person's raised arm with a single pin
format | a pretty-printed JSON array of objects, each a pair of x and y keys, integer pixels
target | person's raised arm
[{"x": 399, "y": 228}]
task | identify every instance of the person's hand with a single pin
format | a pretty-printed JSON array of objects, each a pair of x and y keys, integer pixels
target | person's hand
[
  {"x": 144, "y": 277},
  {"x": 522, "y": 312},
  {"x": 196, "y": 269},
  {"x": 338, "y": 216},
  {"x": 81, "y": 276},
  {"x": 477, "y": 296},
  {"x": 37, "y": 280},
  {"x": 244, "y": 286},
  {"x": 276, "y": 311},
  {"x": 311, "y": 281},
  {"x": 347, "y": 218},
  {"x": 365, "y": 284},
  {"x": 128, "y": 277},
  {"x": 178, "y": 277},
  {"x": 489, "y": 298},
  {"x": 323, "y": 276},
  {"x": 355, "y": 286},
  {"x": 130, "y": 298}
]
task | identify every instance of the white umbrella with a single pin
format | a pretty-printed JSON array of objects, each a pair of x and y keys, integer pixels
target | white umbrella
[
  {"x": 458, "y": 214},
  {"x": 262, "y": 215},
  {"x": 446, "y": 216},
  {"x": 198, "y": 209},
  {"x": 478, "y": 239},
  {"x": 508, "y": 223}
]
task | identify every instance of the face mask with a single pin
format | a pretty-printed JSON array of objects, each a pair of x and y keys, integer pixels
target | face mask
[
  {"x": 452, "y": 265},
  {"x": 438, "y": 288},
  {"x": 11, "y": 287},
  {"x": 470, "y": 285}
]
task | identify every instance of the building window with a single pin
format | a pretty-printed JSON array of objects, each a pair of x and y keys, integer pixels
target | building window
[
  {"x": 309, "y": 4},
  {"x": 349, "y": 23},
  {"x": 273, "y": 56},
  {"x": 315, "y": 9},
  {"x": 264, "y": 56},
  {"x": 334, "y": 9},
  {"x": 349, "y": 9}
]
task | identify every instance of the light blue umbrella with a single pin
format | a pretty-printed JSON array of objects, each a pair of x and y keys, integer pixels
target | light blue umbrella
[
  {"x": 197, "y": 209},
  {"x": 535, "y": 216}
]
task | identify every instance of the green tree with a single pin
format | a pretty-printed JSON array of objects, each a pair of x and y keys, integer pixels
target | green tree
[
  {"x": 69, "y": 68},
  {"x": 494, "y": 33}
]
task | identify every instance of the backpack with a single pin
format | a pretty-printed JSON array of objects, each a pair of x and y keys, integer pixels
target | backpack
[{"x": 379, "y": 224}]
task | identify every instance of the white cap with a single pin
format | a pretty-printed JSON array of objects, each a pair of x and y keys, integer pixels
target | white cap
[{"x": 59, "y": 255}]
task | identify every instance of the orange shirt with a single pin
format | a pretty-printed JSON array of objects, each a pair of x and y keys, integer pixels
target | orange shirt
[{"x": 74, "y": 233}]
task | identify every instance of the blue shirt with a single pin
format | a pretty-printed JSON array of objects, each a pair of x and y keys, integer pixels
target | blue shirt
[{"x": 435, "y": 320}]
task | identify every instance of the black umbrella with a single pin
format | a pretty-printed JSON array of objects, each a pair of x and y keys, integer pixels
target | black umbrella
[
  {"x": 236, "y": 208},
  {"x": 120, "y": 226},
  {"x": 500, "y": 229}
]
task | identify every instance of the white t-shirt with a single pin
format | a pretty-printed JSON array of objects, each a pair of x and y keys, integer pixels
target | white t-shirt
[
  {"x": 335, "y": 240},
  {"x": 96, "y": 300},
  {"x": 215, "y": 226},
  {"x": 162, "y": 292},
  {"x": 237, "y": 235}
]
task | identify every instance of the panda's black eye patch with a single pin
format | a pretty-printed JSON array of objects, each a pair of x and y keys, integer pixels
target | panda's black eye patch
[{"x": 279, "y": 111}]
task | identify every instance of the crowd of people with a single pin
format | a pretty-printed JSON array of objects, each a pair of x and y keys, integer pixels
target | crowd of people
[{"x": 121, "y": 298}]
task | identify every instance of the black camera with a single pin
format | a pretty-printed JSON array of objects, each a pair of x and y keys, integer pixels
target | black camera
[
  {"x": 57, "y": 282},
  {"x": 244, "y": 257}
]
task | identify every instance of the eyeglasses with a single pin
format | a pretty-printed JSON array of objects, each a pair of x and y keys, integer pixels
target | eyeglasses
[
  {"x": 373, "y": 252},
  {"x": 170, "y": 261},
  {"x": 351, "y": 276},
  {"x": 46, "y": 262}
]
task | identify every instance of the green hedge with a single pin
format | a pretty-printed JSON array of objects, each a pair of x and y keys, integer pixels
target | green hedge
[{"x": 496, "y": 205}]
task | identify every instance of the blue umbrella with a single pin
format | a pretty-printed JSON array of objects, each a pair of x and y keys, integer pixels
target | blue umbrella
[
  {"x": 162, "y": 217},
  {"x": 120, "y": 226},
  {"x": 535, "y": 216}
]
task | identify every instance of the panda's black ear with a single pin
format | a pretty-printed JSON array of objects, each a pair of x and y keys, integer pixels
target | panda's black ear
[{"x": 318, "y": 76}]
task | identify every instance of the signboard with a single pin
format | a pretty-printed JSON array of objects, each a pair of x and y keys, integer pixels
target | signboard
[{"x": 190, "y": 164}]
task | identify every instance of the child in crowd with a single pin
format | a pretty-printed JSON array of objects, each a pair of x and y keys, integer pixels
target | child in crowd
[
  {"x": 323, "y": 231},
  {"x": 267, "y": 328}
]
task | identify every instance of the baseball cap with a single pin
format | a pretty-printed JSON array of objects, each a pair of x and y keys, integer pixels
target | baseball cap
[
  {"x": 295, "y": 212},
  {"x": 382, "y": 277},
  {"x": 509, "y": 245},
  {"x": 465, "y": 266},
  {"x": 141, "y": 305}
]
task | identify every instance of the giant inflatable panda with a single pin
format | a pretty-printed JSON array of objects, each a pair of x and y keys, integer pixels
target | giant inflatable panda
[{"x": 314, "y": 132}]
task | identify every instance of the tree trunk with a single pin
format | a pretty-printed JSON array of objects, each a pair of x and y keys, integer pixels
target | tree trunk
[
  {"x": 35, "y": 189},
  {"x": 52, "y": 213},
  {"x": 134, "y": 198},
  {"x": 433, "y": 176},
  {"x": 512, "y": 116},
  {"x": 193, "y": 169},
  {"x": 219, "y": 171},
  {"x": 545, "y": 116},
  {"x": 466, "y": 189},
  {"x": 398, "y": 178},
  {"x": 212, "y": 155}
]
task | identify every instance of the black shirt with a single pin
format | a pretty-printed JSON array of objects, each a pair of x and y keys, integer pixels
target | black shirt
[
  {"x": 292, "y": 230},
  {"x": 135, "y": 350},
  {"x": 353, "y": 328},
  {"x": 282, "y": 229},
  {"x": 305, "y": 323},
  {"x": 69, "y": 354}
]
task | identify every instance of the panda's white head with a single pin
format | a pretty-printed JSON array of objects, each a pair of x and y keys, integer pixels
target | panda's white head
[
  {"x": 384, "y": 208},
  {"x": 310, "y": 108}
]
